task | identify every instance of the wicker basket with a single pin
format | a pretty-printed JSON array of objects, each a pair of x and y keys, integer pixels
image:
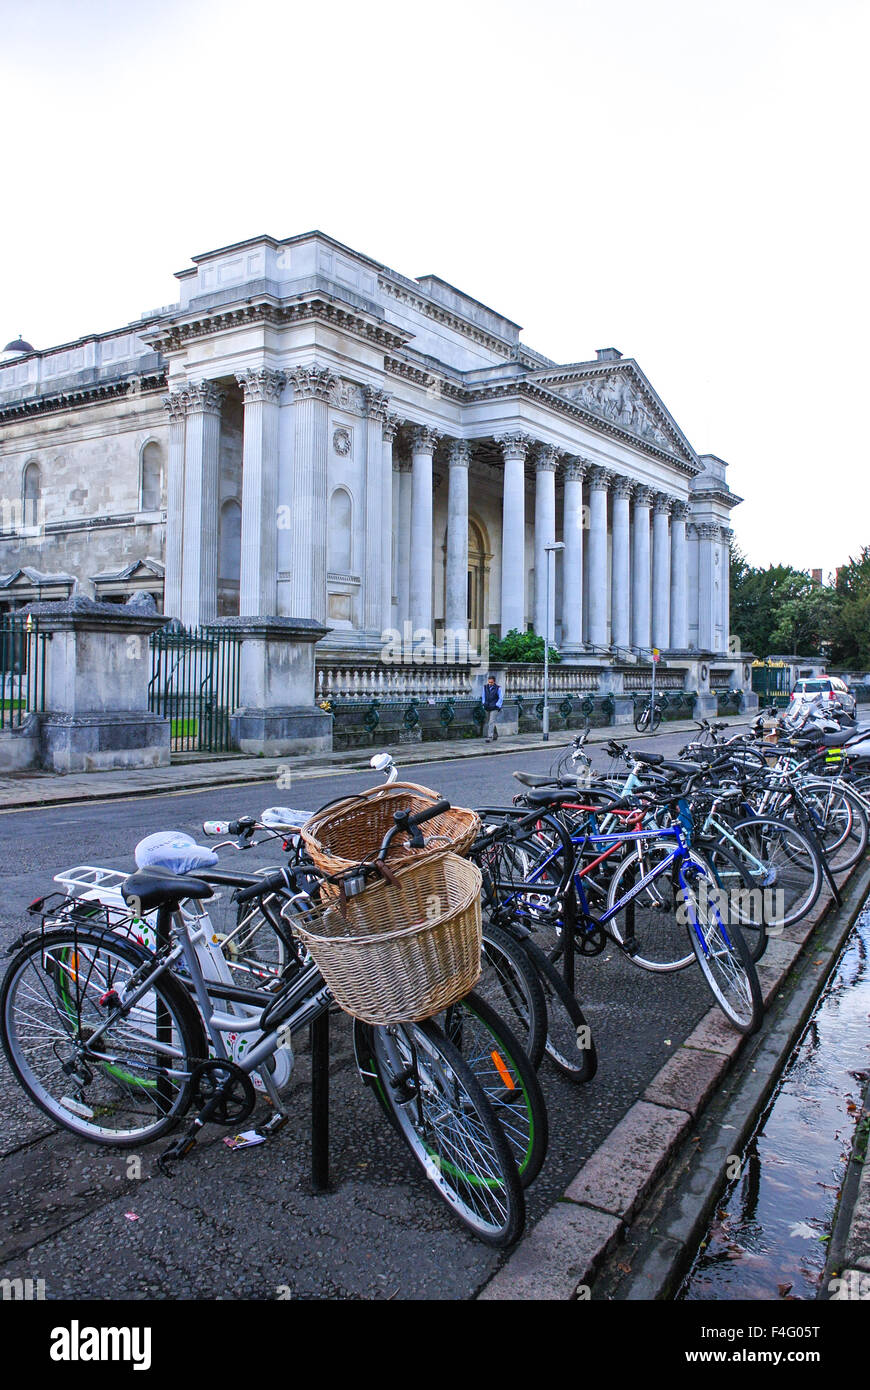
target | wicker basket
[
  {"x": 348, "y": 831},
  {"x": 400, "y": 952}
]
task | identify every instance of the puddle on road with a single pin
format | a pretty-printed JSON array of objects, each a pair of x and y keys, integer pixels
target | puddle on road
[{"x": 768, "y": 1238}]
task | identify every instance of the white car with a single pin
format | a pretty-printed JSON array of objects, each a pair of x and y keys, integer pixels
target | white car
[{"x": 829, "y": 687}]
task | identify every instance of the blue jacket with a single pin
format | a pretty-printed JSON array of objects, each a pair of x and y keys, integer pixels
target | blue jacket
[{"x": 491, "y": 697}]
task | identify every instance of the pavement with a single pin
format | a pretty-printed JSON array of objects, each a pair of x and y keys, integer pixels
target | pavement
[{"x": 190, "y": 773}]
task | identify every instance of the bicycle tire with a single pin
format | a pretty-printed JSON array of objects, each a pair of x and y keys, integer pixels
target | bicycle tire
[
  {"x": 792, "y": 863},
  {"x": 641, "y": 719},
  {"x": 50, "y": 1005},
  {"x": 745, "y": 902},
  {"x": 660, "y": 937},
  {"x": 510, "y": 985},
  {"x": 656, "y": 718},
  {"x": 569, "y": 1045},
  {"x": 505, "y": 1072},
  {"x": 724, "y": 959},
  {"x": 840, "y": 822},
  {"x": 442, "y": 1113}
]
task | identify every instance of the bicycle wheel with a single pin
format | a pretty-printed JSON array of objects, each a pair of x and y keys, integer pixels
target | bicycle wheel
[
  {"x": 507, "y": 1076},
  {"x": 784, "y": 864},
  {"x": 130, "y": 1086},
  {"x": 569, "y": 1043},
  {"x": 441, "y": 1111},
  {"x": 740, "y": 900},
  {"x": 839, "y": 821},
  {"x": 641, "y": 719},
  {"x": 656, "y": 718},
  {"x": 510, "y": 985},
  {"x": 648, "y": 925},
  {"x": 721, "y": 953}
]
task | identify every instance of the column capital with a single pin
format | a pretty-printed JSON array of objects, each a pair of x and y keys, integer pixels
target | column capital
[
  {"x": 623, "y": 487},
  {"x": 376, "y": 403},
  {"x": 643, "y": 495},
  {"x": 459, "y": 453},
  {"x": 174, "y": 407},
  {"x": 707, "y": 531},
  {"x": 312, "y": 382},
  {"x": 401, "y": 464},
  {"x": 726, "y": 535},
  {"x": 546, "y": 457},
  {"x": 514, "y": 445},
  {"x": 424, "y": 439},
  {"x": 574, "y": 469},
  {"x": 599, "y": 478},
  {"x": 204, "y": 397},
  {"x": 390, "y": 425},
  {"x": 662, "y": 504},
  {"x": 261, "y": 384},
  {"x": 680, "y": 510}
]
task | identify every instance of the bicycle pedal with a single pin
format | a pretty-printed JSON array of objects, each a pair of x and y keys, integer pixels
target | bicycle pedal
[
  {"x": 175, "y": 1153},
  {"x": 275, "y": 1123}
]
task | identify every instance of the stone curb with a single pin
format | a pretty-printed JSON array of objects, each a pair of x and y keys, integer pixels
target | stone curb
[
  {"x": 46, "y": 789},
  {"x": 638, "y": 1158}
]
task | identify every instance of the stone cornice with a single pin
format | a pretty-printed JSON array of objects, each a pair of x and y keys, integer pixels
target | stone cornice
[
  {"x": 87, "y": 395},
  {"x": 428, "y": 380},
  {"x": 722, "y": 495},
  {"x": 261, "y": 384},
  {"x": 172, "y": 337}
]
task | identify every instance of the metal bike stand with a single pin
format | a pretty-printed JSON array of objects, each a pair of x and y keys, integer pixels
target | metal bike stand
[{"x": 319, "y": 1034}]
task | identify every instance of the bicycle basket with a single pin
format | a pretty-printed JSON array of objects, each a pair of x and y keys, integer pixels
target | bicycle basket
[
  {"x": 403, "y": 951},
  {"x": 350, "y": 830}
]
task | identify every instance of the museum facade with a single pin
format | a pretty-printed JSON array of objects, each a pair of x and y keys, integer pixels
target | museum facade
[{"x": 307, "y": 433}]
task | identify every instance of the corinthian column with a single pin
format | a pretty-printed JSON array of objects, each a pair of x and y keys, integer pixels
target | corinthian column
[
  {"x": 620, "y": 564},
  {"x": 202, "y": 402},
  {"x": 679, "y": 634},
  {"x": 513, "y": 532},
  {"x": 640, "y": 575},
  {"x": 258, "y": 578},
  {"x": 545, "y": 534},
  {"x": 391, "y": 513},
  {"x": 174, "y": 407},
  {"x": 312, "y": 386},
  {"x": 599, "y": 479},
  {"x": 572, "y": 559},
  {"x": 378, "y": 515},
  {"x": 402, "y": 466},
  {"x": 423, "y": 445},
  {"x": 708, "y": 536},
  {"x": 456, "y": 586},
  {"x": 661, "y": 572}
]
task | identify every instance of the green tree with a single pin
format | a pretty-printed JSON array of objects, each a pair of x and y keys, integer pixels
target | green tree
[
  {"x": 520, "y": 646},
  {"x": 757, "y": 596},
  {"x": 851, "y": 644},
  {"x": 805, "y": 622}
]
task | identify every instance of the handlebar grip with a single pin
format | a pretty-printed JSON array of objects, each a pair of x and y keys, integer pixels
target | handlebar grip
[
  {"x": 268, "y": 883},
  {"x": 428, "y": 814}
]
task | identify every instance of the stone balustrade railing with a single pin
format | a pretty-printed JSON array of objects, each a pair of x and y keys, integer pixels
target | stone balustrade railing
[{"x": 359, "y": 681}]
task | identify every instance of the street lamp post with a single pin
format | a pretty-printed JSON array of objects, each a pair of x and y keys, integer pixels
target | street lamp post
[{"x": 545, "y": 726}]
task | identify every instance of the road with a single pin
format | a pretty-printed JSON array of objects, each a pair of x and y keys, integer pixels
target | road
[{"x": 245, "y": 1224}]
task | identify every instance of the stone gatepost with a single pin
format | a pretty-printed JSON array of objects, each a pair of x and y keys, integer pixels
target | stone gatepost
[
  {"x": 698, "y": 678},
  {"x": 612, "y": 683},
  {"x": 277, "y": 714},
  {"x": 98, "y": 665}
]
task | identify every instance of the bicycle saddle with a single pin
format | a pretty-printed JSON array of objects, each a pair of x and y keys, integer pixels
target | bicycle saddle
[
  {"x": 152, "y": 887},
  {"x": 652, "y": 759}
]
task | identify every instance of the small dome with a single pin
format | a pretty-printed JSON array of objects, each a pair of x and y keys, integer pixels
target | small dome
[{"x": 19, "y": 345}]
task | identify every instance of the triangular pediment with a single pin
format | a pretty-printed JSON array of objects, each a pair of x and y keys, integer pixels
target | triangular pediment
[
  {"x": 136, "y": 569},
  {"x": 622, "y": 398}
]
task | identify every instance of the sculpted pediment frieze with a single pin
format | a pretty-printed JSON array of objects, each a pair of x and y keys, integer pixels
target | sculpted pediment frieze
[{"x": 617, "y": 398}]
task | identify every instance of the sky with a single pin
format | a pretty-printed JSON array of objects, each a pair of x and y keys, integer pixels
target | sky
[{"x": 684, "y": 180}]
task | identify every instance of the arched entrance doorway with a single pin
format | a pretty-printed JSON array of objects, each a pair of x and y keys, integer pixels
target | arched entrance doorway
[{"x": 478, "y": 577}]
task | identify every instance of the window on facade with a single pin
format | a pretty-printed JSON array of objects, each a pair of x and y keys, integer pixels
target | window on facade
[
  {"x": 32, "y": 495},
  {"x": 151, "y": 478},
  {"x": 340, "y": 557}
]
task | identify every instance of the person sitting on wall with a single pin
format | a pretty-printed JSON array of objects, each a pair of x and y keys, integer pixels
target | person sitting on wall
[{"x": 491, "y": 700}]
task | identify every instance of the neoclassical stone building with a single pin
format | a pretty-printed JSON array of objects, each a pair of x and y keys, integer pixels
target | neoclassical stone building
[{"x": 311, "y": 434}]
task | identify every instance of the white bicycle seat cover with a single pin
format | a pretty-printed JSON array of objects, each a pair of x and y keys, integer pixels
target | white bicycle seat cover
[{"x": 174, "y": 850}]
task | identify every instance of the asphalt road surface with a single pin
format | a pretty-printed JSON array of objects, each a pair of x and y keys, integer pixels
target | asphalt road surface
[{"x": 245, "y": 1224}]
